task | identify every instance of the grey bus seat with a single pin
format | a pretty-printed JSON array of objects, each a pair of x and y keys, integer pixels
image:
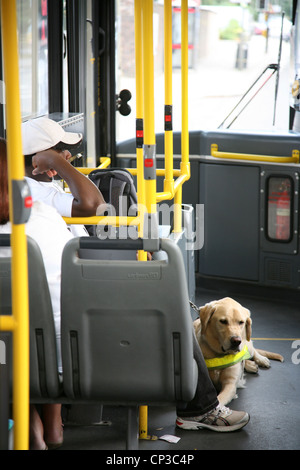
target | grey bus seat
[
  {"x": 44, "y": 379},
  {"x": 126, "y": 327}
]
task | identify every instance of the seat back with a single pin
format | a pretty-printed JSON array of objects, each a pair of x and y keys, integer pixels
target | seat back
[
  {"x": 117, "y": 187},
  {"x": 126, "y": 326},
  {"x": 44, "y": 380},
  {"x": 118, "y": 190}
]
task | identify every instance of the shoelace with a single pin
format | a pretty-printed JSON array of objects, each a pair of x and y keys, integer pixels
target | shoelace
[{"x": 222, "y": 412}]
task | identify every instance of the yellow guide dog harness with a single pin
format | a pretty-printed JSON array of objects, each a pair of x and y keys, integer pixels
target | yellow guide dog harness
[{"x": 229, "y": 360}]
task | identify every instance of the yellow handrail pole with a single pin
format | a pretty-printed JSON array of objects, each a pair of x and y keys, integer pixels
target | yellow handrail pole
[
  {"x": 184, "y": 85},
  {"x": 169, "y": 179},
  {"x": 104, "y": 162},
  {"x": 149, "y": 158},
  {"x": 185, "y": 164},
  {"x": 142, "y": 255},
  {"x": 20, "y": 310},
  {"x": 177, "y": 210},
  {"x": 148, "y": 90},
  {"x": 103, "y": 220},
  {"x": 257, "y": 158},
  {"x": 133, "y": 171}
]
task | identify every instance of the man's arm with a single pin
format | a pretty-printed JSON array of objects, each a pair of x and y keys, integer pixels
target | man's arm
[{"x": 87, "y": 197}]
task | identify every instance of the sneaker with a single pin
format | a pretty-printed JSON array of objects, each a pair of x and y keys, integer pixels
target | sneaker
[{"x": 220, "y": 419}]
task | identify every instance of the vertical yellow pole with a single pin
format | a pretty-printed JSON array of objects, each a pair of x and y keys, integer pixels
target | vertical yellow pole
[
  {"x": 169, "y": 179},
  {"x": 142, "y": 256},
  {"x": 184, "y": 81},
  {"x": 148, "y": 89},
  {"x": 148, "y": 75},
  {"x": 18, "y": 239},
  {"x": 185, "y": 165},
  {"x": 149, "y": 138},
  {"x": 177, "y": 210}
]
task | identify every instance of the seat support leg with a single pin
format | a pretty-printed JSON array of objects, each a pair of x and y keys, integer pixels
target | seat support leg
[{"x": 132, "y": 442}]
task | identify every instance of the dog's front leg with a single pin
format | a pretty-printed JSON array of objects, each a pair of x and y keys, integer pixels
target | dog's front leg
[
  {"x": 228, "y": 380},
  {"x": 227, "y": 393},
  {"x": 261, "y": 360}
]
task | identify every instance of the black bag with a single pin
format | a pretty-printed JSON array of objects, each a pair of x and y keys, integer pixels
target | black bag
[{"x": 118, "y": 189}]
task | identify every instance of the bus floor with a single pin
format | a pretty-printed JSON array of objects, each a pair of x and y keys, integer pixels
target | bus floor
[{"x": 271, "y": 397}]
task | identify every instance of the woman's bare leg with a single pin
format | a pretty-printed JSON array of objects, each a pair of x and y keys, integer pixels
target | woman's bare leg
[
  {"x": 53, "y": 430},
  {"x": 36, "y": 430}
]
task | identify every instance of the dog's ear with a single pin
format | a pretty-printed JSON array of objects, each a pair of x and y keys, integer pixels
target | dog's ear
[
  {"x": 248, "y": 328},
  {"x": 205, "y": 314}
]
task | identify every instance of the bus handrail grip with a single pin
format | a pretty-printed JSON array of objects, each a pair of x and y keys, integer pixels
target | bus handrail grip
[{"x": 262, "y": 158}]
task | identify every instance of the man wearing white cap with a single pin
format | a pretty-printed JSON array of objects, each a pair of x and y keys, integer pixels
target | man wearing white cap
[
  {"x": 44, "y": 146},
  {"x": 46, "y": 149}
]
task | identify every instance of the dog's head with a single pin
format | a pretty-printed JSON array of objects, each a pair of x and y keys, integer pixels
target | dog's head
[{"x": 225, "y": 325}]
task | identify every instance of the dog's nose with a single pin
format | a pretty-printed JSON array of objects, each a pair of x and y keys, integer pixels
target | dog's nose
[{"x": 235, "y": 341}]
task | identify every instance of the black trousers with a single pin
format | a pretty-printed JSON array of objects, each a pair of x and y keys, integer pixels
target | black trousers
[{"x": 205, "y": 398}]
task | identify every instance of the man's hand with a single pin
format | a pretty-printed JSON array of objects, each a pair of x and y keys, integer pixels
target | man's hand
[
  {"x": 45, "y": 162},
  {"x": 87, "y": 196}
]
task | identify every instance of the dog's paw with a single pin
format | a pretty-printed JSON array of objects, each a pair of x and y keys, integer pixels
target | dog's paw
[
  {"x": 263, "y": 362},
  {"x": 251, "y": 367}
]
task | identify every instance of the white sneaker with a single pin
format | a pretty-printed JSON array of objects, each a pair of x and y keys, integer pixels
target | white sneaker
[{"x": 220, "y": 419}]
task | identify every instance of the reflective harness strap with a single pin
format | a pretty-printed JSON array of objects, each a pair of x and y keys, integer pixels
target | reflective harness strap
[{"x": 229, "y": 360}]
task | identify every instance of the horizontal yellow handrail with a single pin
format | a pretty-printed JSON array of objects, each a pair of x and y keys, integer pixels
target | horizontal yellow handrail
[
  {"x": 183, "y": 175},
  {"x": 103, "y": 220},
  {"x": 177, "y": 184},
  {"x": 104, "y": 163},
  {"x": 132, "y": 171},
  {"x": 261, "y": 158},
  {"x": 159, "y": 171},
  {"x": 7, "y": 323}
]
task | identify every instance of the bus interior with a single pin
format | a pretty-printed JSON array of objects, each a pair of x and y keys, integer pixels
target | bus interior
[{"x": 213, "y": 92}]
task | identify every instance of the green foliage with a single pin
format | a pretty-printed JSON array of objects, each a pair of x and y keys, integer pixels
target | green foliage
[{"x": 232, "y": 31}]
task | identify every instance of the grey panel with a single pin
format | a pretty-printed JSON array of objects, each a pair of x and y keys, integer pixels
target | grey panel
[{"x": 230, "y": 194}]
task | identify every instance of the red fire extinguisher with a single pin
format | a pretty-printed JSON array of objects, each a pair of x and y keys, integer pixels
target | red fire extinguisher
[{"x": 283, "y": 214}]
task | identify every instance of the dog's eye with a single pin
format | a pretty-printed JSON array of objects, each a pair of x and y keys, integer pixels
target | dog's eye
[
  {"x": 224, "y": 322},
  {"x": 241, "y": 322}
]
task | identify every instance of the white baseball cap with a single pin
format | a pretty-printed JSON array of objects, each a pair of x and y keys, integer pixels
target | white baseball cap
[{"x": 42, "y": 133}]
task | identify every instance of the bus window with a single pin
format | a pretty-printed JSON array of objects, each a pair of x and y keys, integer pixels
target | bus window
[
  {"x": 33, "y": 56},
  {"x": 230, "y": 45},
  {"x": 279, "y": 208},
  {"x": 176, "y": 45}
]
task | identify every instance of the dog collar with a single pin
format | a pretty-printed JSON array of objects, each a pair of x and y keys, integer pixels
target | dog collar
[{"x": 228, "y": 360}]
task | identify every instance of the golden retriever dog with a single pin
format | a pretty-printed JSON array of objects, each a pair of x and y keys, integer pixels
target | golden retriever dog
[{"x": 223, "y": 330}]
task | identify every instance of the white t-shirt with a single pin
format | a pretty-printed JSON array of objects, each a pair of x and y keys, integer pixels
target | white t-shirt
[
  {"x": 51, "y": 233},
  {"x": 52, "y": 194}
]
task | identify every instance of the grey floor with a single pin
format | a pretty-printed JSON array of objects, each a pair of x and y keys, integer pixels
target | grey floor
[{"x": 272, "y": 397}]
